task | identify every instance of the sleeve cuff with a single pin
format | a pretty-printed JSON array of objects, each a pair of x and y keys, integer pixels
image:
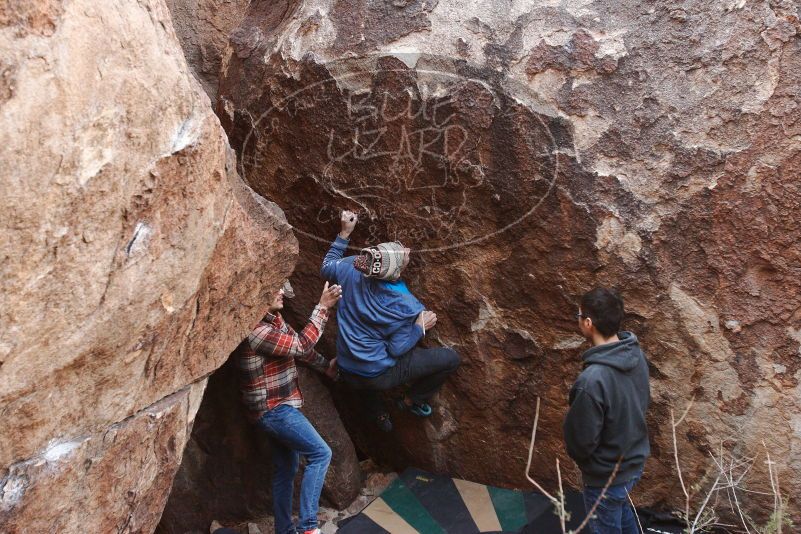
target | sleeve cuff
[{"x": 341, "y": 242}]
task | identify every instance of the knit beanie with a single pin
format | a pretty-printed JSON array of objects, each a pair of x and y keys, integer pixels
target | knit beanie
[{"x": 384, "y": 261}]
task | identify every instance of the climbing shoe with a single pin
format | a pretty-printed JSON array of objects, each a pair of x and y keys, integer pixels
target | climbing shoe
[
  {"x": 420, "y": 409},
  {"x": 312, "y": 531}
]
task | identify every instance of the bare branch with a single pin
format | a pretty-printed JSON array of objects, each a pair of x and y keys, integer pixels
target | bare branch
[
  {"x": 777, "y": 496},
  {"x": 531, "y": 452},
  {"x": 676, "y": 458},
  {"x": 561, "y": 498},
  {"x": 732, "y": 484},
  {"x": 686, "y": 411},
  {"x": 634, "y": 509},
  {"x": 600, "y": 497},
  {"x": 712, "y": 490}
]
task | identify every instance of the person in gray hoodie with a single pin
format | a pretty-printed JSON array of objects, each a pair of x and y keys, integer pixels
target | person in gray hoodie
[{"x": 605, "y": 430}]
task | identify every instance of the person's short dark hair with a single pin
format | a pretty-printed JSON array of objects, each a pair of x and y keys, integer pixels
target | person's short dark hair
[{"x": 605, "y": 308}]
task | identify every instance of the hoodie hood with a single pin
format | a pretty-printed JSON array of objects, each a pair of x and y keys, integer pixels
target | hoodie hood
[{"x": 623, "y": 355}]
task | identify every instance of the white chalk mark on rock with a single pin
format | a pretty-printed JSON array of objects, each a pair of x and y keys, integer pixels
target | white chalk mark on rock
[
  {"x": 12, "y": 489},
  {"x": 56, "y": 451},
  {"x": 93, "y": 159},
  {"x": 139, "y": 240},
  {"x": 186, "y": 135}
]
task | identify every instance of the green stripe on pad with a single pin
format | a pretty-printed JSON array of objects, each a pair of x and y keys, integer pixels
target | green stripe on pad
[
  {"x": 510, "y": 508},
  {"x": 405, "y": 504}
]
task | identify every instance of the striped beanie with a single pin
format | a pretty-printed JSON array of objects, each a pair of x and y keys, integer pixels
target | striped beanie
[{"x": 384, "y": 261}]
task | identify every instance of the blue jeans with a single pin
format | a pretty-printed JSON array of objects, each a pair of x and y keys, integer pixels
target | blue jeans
[
  {"x": 614, "y": 514},
  {"x": 291, "y": 434}
]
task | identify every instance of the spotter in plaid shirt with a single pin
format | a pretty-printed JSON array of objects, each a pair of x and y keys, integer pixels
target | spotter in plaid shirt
[{"x": 266, "y": 361}]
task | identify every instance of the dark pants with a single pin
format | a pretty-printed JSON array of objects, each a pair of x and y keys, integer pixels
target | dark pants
[
  {"x": 424, "y": 370},
  {"x": 614, "y": 514}
]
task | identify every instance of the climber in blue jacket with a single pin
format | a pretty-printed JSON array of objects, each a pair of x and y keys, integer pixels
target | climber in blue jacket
[{"x": 380, "y": 323}]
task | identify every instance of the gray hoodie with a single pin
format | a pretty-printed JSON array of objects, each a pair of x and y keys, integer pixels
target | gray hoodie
[{"x": 606, "y": 419}]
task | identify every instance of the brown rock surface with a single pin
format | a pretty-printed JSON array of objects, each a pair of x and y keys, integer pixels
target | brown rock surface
[
  {"x": 203, "y": 27},
  {"x": 531, "y": 153},
  {"x": 113, "y": 481},
  {"x": 134, "y": 259}
]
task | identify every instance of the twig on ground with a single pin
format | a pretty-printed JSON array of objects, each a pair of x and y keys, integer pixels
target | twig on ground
[
  {"x": 777, "y": 495},
  {"x": 731, "y": 473}
]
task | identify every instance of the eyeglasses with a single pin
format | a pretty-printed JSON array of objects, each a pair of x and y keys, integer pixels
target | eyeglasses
[{"x": 580, "y": 315}]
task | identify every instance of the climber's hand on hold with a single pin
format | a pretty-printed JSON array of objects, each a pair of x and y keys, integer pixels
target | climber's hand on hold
[
  {"x": 348, "y": 222},
  {"x": 431, "y": 319},
  {"x": 426, "y": 320}
]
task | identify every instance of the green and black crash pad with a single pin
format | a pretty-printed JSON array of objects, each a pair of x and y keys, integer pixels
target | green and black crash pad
[{"x": 422, "y": 503}]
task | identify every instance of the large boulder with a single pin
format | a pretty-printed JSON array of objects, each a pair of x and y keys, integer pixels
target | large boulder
[
  {"x": 529, "y": 154},
  {"x": 134, "y": 261},
  {"x": 115, "y": 480}
]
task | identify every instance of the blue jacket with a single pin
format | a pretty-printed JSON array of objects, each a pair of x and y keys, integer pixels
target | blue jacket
[{"x": 376, "y": 318}]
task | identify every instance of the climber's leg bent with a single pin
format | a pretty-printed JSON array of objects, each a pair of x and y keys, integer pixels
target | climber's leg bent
[
  {"x": 428, "y": 370},
  {"x": 424, "y": 370}
]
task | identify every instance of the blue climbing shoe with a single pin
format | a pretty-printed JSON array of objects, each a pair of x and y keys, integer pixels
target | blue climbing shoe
[{"x": 420, "y": 409}]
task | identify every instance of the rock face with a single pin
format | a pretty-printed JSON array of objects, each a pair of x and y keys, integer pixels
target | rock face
[
  {"x": 226, "y": 469},
  {"x": 528, "y": 154},
  {"x": 83, "y": 484},
  {"x": 134, "y": 260},
  {"x": 203, "y": 27}
]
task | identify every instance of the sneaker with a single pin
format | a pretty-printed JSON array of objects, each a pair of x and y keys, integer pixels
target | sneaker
[
  {"x": 384, "y": 422},
  {"x": 312, "y": 531},
  {"x": 420, "y": 409}
]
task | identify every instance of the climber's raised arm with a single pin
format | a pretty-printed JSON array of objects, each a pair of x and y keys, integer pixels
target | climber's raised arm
[{"x": 333, "y": 264}]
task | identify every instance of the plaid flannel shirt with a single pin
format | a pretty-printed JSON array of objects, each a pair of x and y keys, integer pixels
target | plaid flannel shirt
[{"x": 266, "y": 361}]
